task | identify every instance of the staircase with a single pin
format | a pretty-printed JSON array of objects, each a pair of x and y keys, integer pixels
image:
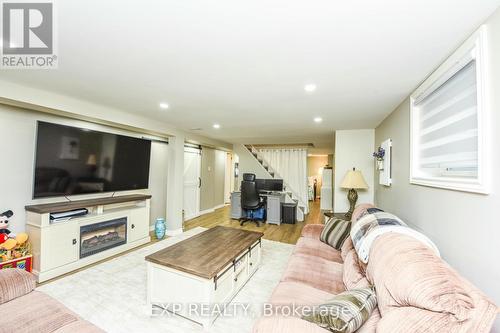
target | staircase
[{"x": 301, "y": 206}]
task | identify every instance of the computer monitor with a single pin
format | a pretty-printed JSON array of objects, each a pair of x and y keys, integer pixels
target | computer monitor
[
  {"x": 269, "y": 184},
  {"x": 260, "y": 184}
]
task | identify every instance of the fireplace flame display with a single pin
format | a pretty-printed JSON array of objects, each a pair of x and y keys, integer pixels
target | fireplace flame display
[{"x": 103, "y": 236}]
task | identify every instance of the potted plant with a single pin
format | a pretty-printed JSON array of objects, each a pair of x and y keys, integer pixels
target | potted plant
[{"x": 379, "y": 158}]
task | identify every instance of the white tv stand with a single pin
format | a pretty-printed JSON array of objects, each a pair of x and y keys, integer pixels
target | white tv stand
[{"x": 56, "y": 246}]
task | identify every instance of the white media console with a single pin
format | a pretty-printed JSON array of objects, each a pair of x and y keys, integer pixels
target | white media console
[{"x": 113, "y": 225}]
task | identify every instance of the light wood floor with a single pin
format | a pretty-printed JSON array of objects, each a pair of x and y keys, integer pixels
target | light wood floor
[{"x": 286, "y": 233}]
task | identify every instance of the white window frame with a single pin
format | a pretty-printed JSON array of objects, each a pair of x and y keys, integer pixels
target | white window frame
[{"x": 472, "y": 49}]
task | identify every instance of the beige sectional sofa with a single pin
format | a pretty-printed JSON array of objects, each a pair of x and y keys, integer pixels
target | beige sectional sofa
[
  {"x": 416, "y": 290},
  {"x": 24, "y": 310}
]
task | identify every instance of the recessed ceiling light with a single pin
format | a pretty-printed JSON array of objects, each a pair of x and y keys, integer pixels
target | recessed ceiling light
[
  {"x": 164, "y": 106},
  {"x": 310, "y": 87},
  {"x": 318, "y": 119},
  {"x": 216, "y": 126}
]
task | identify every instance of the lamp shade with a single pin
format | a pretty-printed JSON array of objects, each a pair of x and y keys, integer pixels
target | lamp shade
[
  {"x": 354, "y": 179},
  {"x": 92, "y": 160}
]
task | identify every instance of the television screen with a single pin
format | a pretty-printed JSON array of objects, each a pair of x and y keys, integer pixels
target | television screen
[{"x": 71, "y": 160}]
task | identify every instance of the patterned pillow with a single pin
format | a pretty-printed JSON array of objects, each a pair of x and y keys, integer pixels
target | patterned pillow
[
  {"x": 345, "y": 312},
  {"x": 335, "y": 232}
]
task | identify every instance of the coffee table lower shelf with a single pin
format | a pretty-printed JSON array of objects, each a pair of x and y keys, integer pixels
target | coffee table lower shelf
[{"x": 196, "y": 298}]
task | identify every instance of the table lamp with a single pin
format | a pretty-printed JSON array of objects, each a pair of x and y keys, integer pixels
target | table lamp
[{"x": 353, "y": 180}]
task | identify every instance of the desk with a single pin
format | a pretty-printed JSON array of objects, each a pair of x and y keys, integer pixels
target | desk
[{"x": 273, "y": 206}]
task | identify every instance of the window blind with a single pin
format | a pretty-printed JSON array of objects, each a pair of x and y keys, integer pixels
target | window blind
[{"x": 447, "y": 127}]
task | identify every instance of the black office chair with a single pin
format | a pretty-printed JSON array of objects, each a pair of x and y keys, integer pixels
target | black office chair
[{"x": 250, "y": 199}]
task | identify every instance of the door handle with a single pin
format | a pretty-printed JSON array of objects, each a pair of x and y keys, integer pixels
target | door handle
[
  {"x": 74, "y": 241},
  {"x": 199, "y": 182}
]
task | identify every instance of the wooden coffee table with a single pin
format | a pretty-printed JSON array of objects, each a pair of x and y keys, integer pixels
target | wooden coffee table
[{"x": 196, "y": 277}]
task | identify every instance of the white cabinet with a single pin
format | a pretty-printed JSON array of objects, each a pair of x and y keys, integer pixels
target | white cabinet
[
  {"x": 61, "y": 246},
  {"x": 254, "y": 258},
  {"x": 274, "y": 209},
  {"x": 138, "y": 224},
  {"x": 56, "y": 246}
]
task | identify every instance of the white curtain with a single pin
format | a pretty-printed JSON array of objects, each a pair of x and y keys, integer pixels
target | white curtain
[{"x": 291, "y": 164}]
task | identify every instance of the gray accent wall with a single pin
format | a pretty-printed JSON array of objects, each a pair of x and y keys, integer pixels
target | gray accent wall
[
  {"x": 207, "y": 179},
  {"x": 464, "y": 226}
]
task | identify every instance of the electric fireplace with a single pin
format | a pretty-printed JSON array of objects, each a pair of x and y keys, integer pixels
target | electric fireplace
[{"x": 95, "y": 238}]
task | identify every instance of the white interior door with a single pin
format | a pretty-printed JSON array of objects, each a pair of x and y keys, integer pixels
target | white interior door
[{"x": 192, "y": 174}]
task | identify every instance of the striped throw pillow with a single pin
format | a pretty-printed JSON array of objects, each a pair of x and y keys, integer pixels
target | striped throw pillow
[
  {"x": 335, "y": 232},
  {"x": 346, "y": 312}
]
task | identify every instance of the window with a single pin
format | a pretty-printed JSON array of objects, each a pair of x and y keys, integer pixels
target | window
[{"x": 447, "y": 123}]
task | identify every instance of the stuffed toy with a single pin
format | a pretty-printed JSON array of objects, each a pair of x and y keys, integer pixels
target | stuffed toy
[
  {"x": 12, "y": 242},
  {"x": 4, "y": 222}
]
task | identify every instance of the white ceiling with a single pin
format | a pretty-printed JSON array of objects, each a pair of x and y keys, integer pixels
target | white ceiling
[{"x": 243, "y": 64}]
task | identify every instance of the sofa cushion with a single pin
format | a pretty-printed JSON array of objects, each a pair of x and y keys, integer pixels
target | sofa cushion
[
  {"x": 353, "y": 275},
  {"x": 411, "y": 319},
  {"x": 408, "y": 273},
  {"x": 286, "y": 325},
  {"x": 298, "y": 294},
  {"x": 346, "y": 247},
  {"x": 79, "y": 326},
  {"x": 345, "y": 312},
  {"x": 316, "y": 272},
  {"x": 35, "y": 312},
  {"x": 312, "y": 231},
  {"x": 335, "y": 232},
  {"x": 15, "y": 283},
  {"x": 371, "y": 324},
  {"x": 315, "y": 247}
]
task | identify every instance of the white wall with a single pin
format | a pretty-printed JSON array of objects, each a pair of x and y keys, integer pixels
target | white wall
[
  {"x": 248, "y": 164},
  {"x": 465, "y": 226},
  {"x": 17, "y": 167},
  {"x": 45, "y": 101},
  {"x": 353, "y": 148}
]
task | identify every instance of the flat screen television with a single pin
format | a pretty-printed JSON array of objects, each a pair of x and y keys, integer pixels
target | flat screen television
[{"x": 71, "y": 160}]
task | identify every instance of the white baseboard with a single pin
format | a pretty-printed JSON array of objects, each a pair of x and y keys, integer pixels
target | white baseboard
[
  {"x": 175, "y": 232},
  {"x": 191, "y": 217},
  {"x": 206, "y": 211},
  {"x": 220, "y": 206}
]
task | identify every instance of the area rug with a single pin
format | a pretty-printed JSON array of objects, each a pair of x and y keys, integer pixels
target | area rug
[{"x": 112, "y": 295}]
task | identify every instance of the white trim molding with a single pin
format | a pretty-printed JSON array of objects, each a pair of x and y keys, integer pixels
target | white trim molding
[
  {"x": 175, "y": 232},
  {"x": 473, "y": 50},
  {"x": 220, "y": 206},
  {"x": 207, "y": 211}
]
